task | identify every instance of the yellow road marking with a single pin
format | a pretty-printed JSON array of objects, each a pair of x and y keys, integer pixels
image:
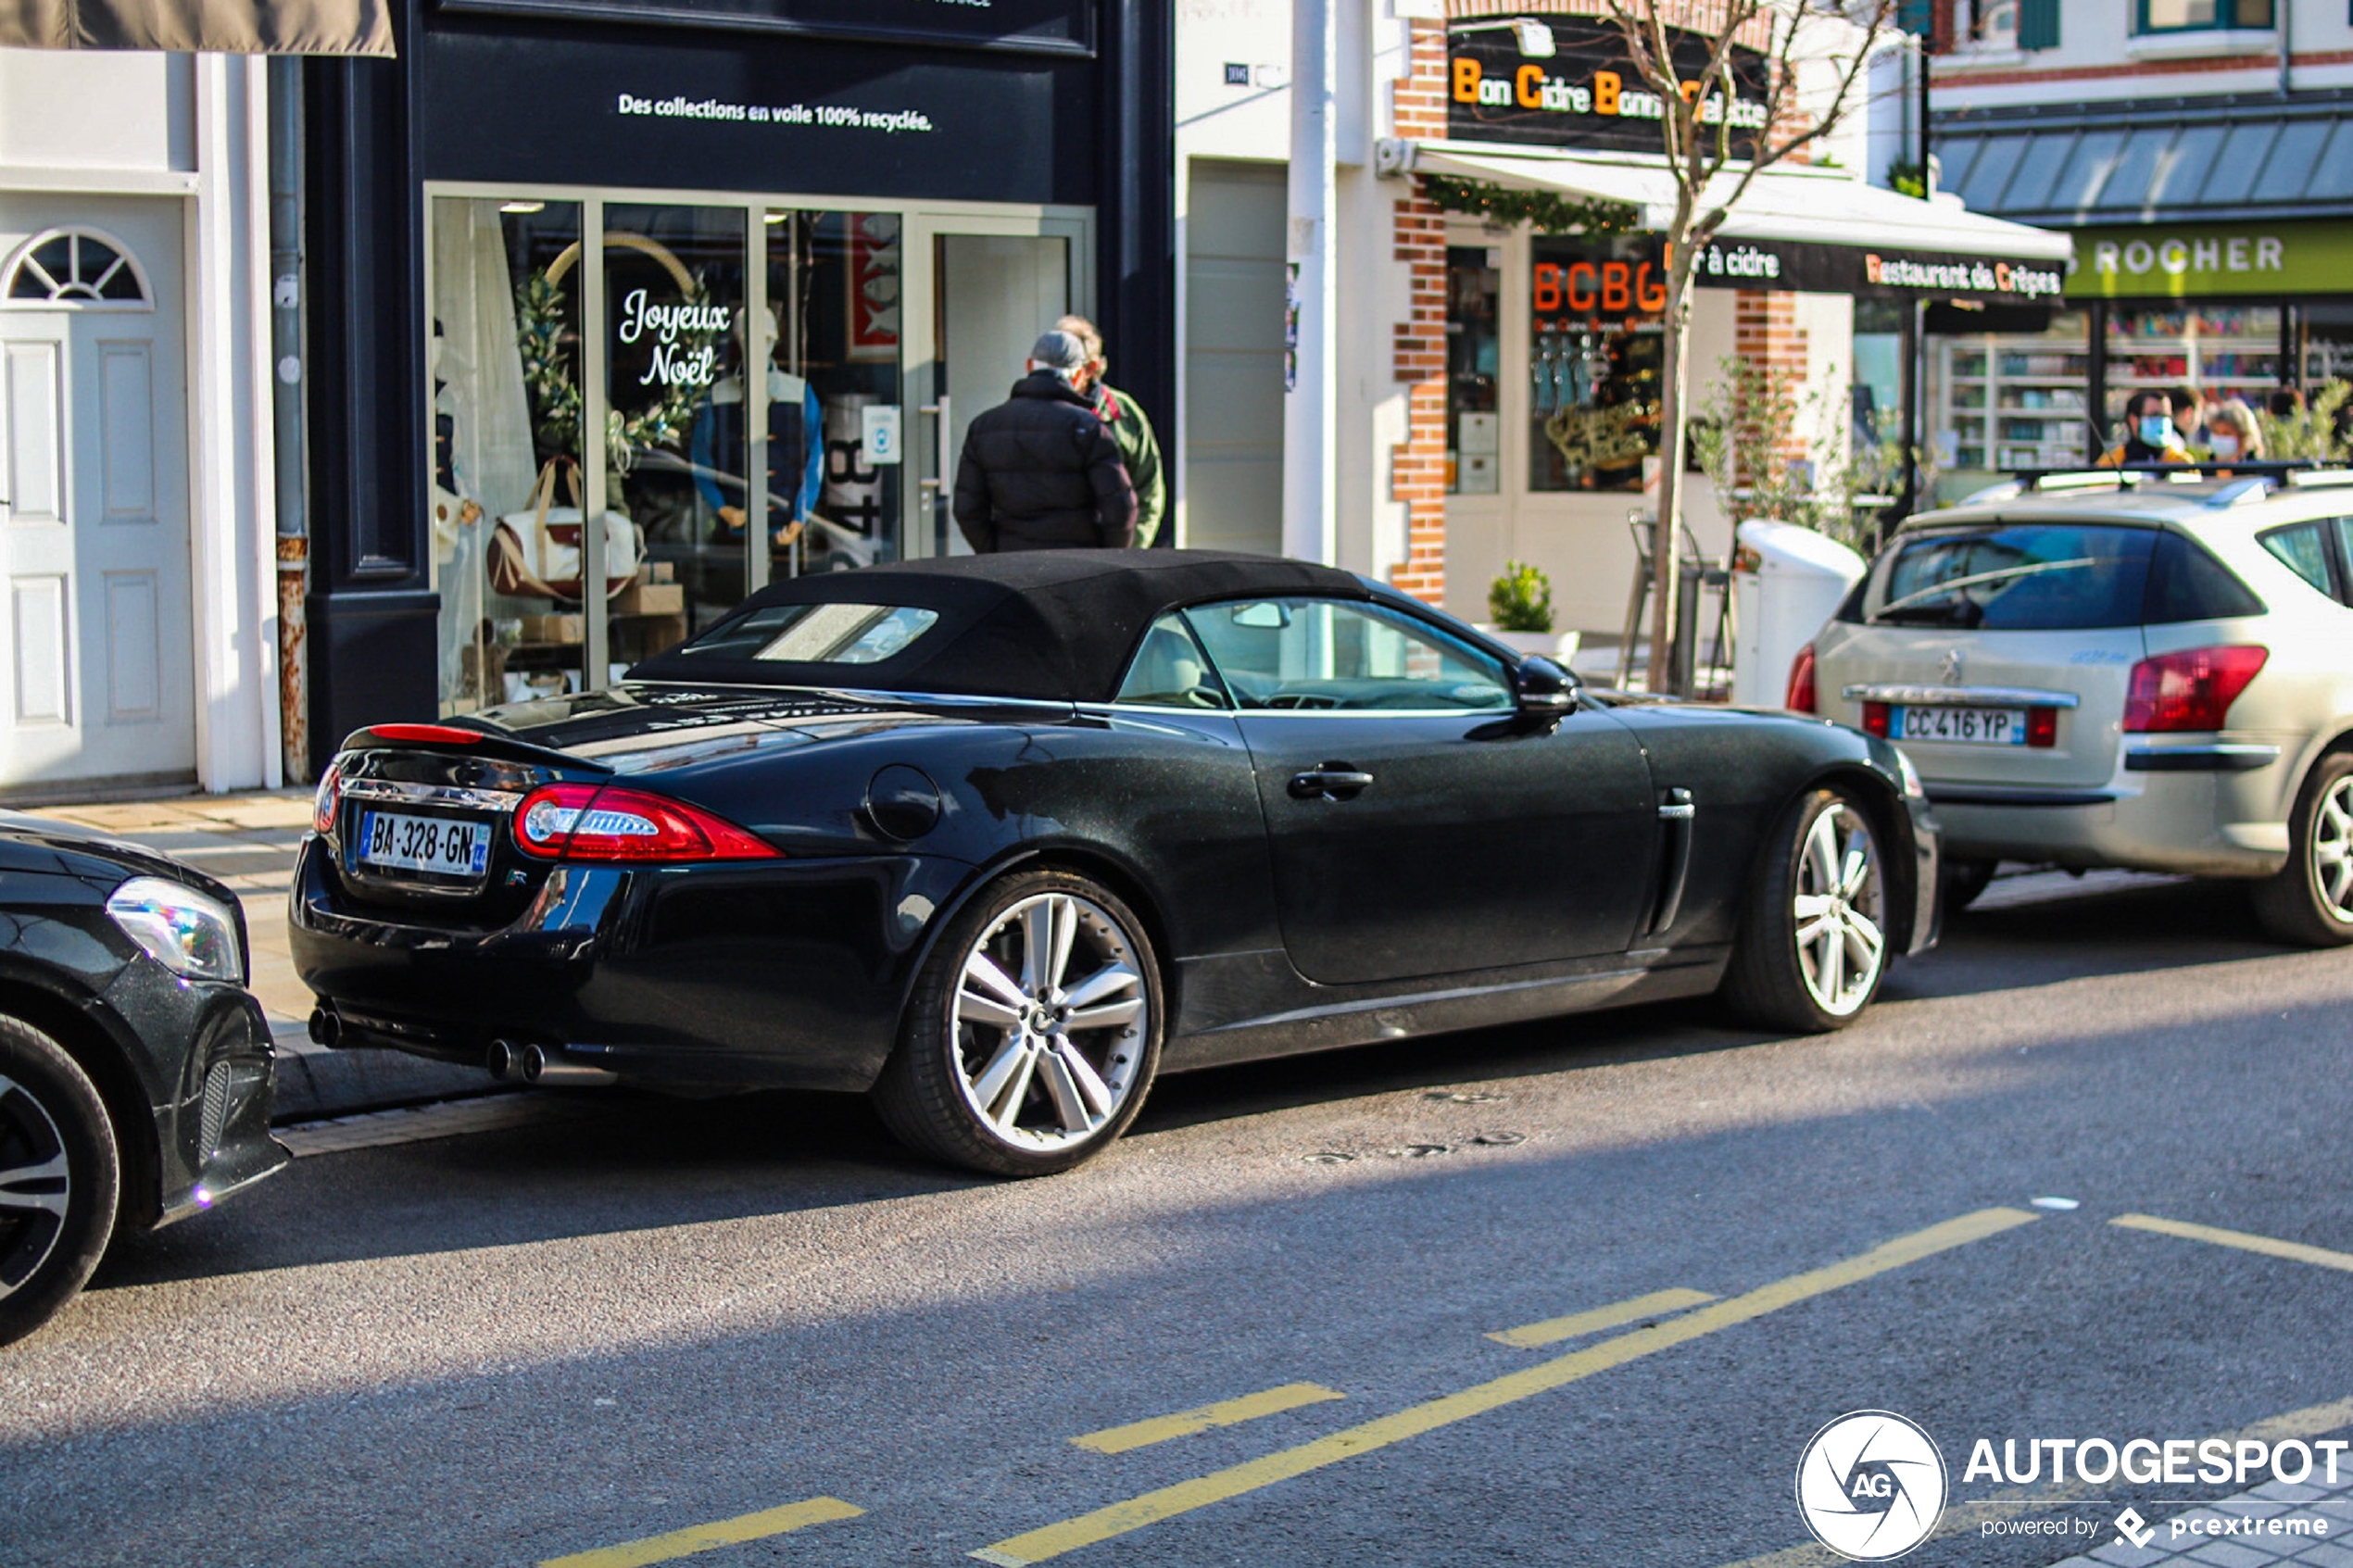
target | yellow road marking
[
  {"x": 1963, "y": 1518},
  {"x": 704, "y": 1537},
  {"x": 2294, "y": 1250},
  {"x": 1552, "y": 1330},
  {"x": 1119, "y": 1519},
  {"x": 1224, "y": 1412}
]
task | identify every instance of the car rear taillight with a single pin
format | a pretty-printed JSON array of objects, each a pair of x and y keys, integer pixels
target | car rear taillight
[
  {"x": 426, "y": 734},
  {"x": 1875, "y": 718},
  {"x": 325, "y": 805},
  {"x": 584, "y": 821},
  {"x": 2190, "y": 690},
  {"x": 1801, "y": 682},
  {"x": 2042, "y": 727}
]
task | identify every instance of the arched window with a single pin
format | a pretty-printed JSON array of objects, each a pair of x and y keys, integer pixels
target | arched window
[{"x": 75, "y": 268}]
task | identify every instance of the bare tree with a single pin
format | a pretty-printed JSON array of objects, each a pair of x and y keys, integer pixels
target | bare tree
[{"x": 1815, "y": 56}]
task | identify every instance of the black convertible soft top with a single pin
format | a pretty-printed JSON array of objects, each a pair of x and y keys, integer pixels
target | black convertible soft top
[{"x": 1057, "y": 625}]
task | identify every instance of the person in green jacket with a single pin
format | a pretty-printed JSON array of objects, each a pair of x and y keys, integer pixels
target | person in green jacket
[{"x": 1130, "y": 431}]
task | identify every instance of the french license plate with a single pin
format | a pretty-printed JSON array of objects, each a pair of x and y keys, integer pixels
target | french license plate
[
  {"x": 441, "y": 846},
  {"x": 1969, "y": 726}
]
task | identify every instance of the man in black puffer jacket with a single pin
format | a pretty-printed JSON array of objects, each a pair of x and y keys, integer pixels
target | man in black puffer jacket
[{"x": 1040, "y": 471}]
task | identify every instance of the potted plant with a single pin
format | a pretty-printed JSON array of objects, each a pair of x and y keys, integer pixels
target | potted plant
[{"x": 1521, "y": 604}]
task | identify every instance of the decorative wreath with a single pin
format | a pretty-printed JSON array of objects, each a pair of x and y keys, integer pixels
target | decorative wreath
[
  {"x": 542, "y": 329},
  {"x": 1547, "y": 212}
]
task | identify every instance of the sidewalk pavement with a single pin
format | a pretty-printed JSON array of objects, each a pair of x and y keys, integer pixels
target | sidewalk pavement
[
  {"x": 2238, "y": 1532},
  {"x": 248, "y": 842}
]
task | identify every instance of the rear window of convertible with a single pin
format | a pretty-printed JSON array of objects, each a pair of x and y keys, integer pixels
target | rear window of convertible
[
  {"x": 2052, "y": 577},
  {"x": 815, "y": 633}
]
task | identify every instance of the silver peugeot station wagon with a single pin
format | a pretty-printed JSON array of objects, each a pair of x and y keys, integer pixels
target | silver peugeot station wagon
[{"x": 2142, "y": 671}]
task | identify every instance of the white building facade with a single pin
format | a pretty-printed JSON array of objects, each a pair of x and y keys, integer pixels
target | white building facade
[{"x": 138, "y": 625}]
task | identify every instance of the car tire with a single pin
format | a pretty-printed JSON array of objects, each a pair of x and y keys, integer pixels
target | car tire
[
  {"x": 996, "y": 1069},
  {"x": 2309, "y": 901},
  {"x": 1812, "y": 948},
  {"x": 60, "y": 1178},
  {"x": 1961, "y": 881}
]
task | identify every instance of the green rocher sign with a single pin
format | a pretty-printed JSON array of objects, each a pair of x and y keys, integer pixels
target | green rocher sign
[{"x": 2188, "y": 260}]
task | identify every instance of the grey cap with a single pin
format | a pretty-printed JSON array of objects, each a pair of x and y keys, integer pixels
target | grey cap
[{"x": 1058, "y": 351}]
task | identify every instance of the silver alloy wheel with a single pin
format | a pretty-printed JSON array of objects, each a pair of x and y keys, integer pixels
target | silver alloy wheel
[
  {"x": 2333, "y": 849},
  {"x": 1841, "y": 944},
  {"x": 1045, "y": 1061},
  {"x": 35, "y": 1186}
]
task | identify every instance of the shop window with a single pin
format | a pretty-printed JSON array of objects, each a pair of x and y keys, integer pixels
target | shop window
[
  {"x": 676, "y": 455},
  {"x": 1474, "y": 427},
  {"x": 2004, "y": 401},
  {"x": 832, "y": 287},
  {"x": 2217, "y": 353},
  {"x": 1593, "y": 363},
  {"x": 1878, "y": 391},
  {"x": 2327, "y": 350},
  {"x": 74, "y": 269},
  {"x": 682, "y": 422},
  {"x": 504, "y": 360},
  {"x": 2185, "y": 15}
]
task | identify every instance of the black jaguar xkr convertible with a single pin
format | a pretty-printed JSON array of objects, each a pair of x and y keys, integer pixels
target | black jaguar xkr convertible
[{"x": 1001, "y": 838}]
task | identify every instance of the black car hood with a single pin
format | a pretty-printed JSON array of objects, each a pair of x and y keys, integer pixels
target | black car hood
[
  {"x": 43, "y": 844},
  {"x": 642, "y": 727}
]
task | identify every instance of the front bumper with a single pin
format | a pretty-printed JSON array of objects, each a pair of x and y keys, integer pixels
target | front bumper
[{"x": 209, "y": 1052}]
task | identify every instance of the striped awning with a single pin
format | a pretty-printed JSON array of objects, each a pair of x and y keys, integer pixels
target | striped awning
[
  {"x": 224, "y": 27},
  {"x": 2242, "y": 157}
]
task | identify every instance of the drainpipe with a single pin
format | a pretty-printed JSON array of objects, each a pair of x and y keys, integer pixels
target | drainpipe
[
  {"x": 286, "y": 409},
  {"x": 1309, "y": 418},
  {"x": 2287, "y": 47}
]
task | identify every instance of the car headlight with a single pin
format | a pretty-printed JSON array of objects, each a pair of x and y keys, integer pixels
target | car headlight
[
  {"x": 187, "y": 932},
  {"x": 1912, "y": 785}
]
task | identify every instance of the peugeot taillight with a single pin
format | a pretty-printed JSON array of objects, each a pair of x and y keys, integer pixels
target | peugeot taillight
[
  {"x": 585, "y": 821},
  {"x": 1875, "y": 719},
  {"x": 1801, "y": 682},
  {"x": 325, "y": 805},
  {"x": 2190, "y": 690}
]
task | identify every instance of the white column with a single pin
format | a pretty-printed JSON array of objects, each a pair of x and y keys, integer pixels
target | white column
[
  {"x": 1310, "y": 412},
  {"x": 231, "y": 507}
]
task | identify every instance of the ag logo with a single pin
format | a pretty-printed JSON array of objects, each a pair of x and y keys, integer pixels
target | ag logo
[{"x": 1872, "y": 1485}]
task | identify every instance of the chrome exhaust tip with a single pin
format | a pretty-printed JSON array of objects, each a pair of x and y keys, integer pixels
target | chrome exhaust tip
[
  {"x": 326, "y": 1029},
  {"x": 551, "y": 1069},
  {"x": 504, "y": 1061}
]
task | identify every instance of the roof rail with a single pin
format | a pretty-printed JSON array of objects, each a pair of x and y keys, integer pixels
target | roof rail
[{"x": 2276, "y": 472}]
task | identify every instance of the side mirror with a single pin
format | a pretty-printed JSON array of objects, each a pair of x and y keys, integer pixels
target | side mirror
[{"x": 1541, "y": 687}]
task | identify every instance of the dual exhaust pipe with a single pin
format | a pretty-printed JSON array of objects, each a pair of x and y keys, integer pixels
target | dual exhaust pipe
[
  {"x": 509, "y": 1061},
  {"x": 528, "y": 1061}
]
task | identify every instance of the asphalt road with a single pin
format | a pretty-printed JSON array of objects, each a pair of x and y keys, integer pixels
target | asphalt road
[{"x": 622, "y": 1318}]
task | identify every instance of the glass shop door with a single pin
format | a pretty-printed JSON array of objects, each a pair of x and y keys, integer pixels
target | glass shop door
[{"x": 979, "y": 292}]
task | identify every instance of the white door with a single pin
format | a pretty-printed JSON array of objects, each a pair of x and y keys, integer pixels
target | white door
[
  {"x": 1234, "y": 303},
  {"x": 96, "y": 623},
  {"x": 979, "y": 290}
]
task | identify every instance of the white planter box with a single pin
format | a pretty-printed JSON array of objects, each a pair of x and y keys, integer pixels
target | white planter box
[{"x": 1558, "y": 647}]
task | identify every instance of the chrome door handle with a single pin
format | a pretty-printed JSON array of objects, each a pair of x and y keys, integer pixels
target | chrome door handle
[{"x": 1333, "y": 781}]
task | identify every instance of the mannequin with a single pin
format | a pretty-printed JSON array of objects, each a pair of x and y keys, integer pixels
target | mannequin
[{"x": 795, "y": 455}]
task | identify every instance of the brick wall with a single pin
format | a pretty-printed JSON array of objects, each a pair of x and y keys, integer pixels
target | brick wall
[
  {"x": 1417, "y": 465},
  {"x": 1765, "y": 333}
]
